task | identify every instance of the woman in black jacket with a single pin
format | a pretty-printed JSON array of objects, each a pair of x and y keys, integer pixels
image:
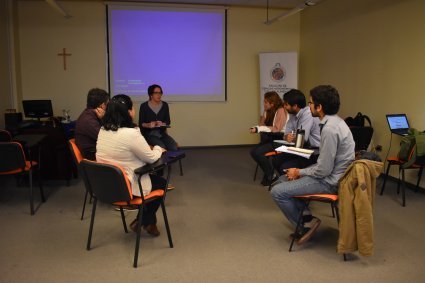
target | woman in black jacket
[{"x": 154, "y": 118}]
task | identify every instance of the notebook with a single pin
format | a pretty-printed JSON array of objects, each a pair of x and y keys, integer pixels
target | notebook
[{"x": 398, "y": 124}]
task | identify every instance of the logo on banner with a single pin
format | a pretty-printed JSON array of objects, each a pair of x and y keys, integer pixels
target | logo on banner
[{"x": 277, "y": 73}]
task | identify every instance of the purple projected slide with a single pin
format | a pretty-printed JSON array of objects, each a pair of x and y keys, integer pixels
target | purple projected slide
[{"x": 183, "y": 51}]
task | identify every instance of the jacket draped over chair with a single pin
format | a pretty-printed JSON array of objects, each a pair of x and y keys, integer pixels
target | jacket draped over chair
[{"x": 356, "y": 195}]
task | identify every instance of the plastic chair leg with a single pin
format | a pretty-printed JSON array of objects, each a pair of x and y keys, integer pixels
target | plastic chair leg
[
  {"x": 181, "y": 167},
  {"x": 139, "y": 227},
  {"x": 40, "y": 185},
  {"x": 167, "y": 227},
  {"x": 31, "y": 193},
  {"x": 255, "y": 173},
  {"x": 91, "y": 223},
  {"x": 403, "y": 189},
  {"x": 84, "y": 205},
  {"x": 299, "y": 223},
  {"x": 385, "y": 177},
  {"x": 419, "y": 179},
  {"x": 123, "y": 219}
]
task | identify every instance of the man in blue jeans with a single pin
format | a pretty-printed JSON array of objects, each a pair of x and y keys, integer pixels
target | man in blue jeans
[{"x": 335, "y": 155}]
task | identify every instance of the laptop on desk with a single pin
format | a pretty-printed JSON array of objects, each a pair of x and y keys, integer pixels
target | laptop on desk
[{"x": 398, "y": 124}]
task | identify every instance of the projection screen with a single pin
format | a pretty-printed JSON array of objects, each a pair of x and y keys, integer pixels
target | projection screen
[{"x": 183, "y": 49}]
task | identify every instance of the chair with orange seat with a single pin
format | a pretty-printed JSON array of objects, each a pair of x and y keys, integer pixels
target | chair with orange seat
[
  {"x": 356, "y": 190},
  {"x": 78, "y": 157},
  {"x": 325, "y": 198},
  {"x": 14, "y": 162},
  {"x": 109, "y": 184},
  {"x": 403, "y": 165}
]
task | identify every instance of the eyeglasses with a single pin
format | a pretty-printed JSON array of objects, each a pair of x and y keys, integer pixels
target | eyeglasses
[{"x": 157, "y": 92}]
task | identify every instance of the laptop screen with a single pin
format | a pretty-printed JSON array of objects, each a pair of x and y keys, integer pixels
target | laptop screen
[{"x": 397, "y": 121}]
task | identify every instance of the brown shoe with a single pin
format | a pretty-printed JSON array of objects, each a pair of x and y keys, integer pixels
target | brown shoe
[
  {"x": 152, "y": 230},
  {"x": 133, "y": 226},
  {"x": 310, "y": 229},
  {"x": 170, "y": 187}
]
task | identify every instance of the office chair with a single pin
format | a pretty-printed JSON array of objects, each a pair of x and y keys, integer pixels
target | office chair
[
  {"x": 13, "y": 162},
  {"x": 109, "y": 184}
]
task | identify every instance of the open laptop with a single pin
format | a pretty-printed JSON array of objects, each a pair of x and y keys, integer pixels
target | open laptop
[{"x": 398, "y": 124}]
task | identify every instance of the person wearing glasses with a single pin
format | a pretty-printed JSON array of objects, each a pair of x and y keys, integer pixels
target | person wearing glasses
[
  {"x": 120, "y": 142},
  {"x": 154, "y": 118},
  {"x": 300, "y": 117},
  {"x": 335, "y": 155}
]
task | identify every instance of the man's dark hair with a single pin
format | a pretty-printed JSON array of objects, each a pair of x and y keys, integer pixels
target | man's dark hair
[
  {"x": 327, "y": 96},
  {"x": 96, "y": 97},
  {"x": 116, "y": 115},
  {"x": 295, "y": 96},
  {"x": 151, "y": 89}
]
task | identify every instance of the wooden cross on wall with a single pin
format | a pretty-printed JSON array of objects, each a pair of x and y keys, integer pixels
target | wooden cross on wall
[{"x": 64, "y": 54}]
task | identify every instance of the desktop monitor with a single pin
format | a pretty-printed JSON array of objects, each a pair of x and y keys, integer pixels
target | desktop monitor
[{"x": 37, "y": 108}]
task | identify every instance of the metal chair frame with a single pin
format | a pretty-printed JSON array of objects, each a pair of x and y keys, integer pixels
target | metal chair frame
[
  {"x": 14, "y": 162},
  {"x": 325, "y": 198},
  {"x": 393, "y": 160},
  {"x": 92, "y": 173}
]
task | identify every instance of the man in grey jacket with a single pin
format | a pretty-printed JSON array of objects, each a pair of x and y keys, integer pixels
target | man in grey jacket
[{"x": 335, "y": 155}]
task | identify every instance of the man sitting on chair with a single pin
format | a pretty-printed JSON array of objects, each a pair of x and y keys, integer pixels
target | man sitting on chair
[
  {"x": 335, "y": 155},
  {"x": 88, "y": 123},
  {"x": 299, "y": 118}
]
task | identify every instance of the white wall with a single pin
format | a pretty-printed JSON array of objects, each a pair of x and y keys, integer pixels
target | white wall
[{"x": 43, "y": 33}]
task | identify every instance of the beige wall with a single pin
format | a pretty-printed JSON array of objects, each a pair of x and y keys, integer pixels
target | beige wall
[
  {"x": 373, "y": 52},
  {"x": 43, "y": 33},
  {"x": 5, "y": 66}
]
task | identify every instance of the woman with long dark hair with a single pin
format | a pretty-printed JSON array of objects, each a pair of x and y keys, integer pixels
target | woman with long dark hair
[{"x": 120, "y": 142}]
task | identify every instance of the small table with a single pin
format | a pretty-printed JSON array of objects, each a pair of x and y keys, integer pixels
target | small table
[{"x": 167, "y": 158}]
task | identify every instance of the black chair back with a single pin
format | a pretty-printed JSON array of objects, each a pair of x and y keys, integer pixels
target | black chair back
[
  {"x": 12, "y": 156},
  {"x": 5, "y": 136},
  {"x": 107, "y": 182}
]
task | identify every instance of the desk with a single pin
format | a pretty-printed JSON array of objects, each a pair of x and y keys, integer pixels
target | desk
[
  {"x": 55, "y": 154},
  {"x": 29, "y": 142}
]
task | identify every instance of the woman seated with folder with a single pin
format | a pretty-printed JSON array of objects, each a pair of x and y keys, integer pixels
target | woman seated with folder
[{"x": 271, "y": 127}]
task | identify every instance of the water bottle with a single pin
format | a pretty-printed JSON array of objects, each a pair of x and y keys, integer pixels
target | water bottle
[{"x": 299, "y": 141}]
